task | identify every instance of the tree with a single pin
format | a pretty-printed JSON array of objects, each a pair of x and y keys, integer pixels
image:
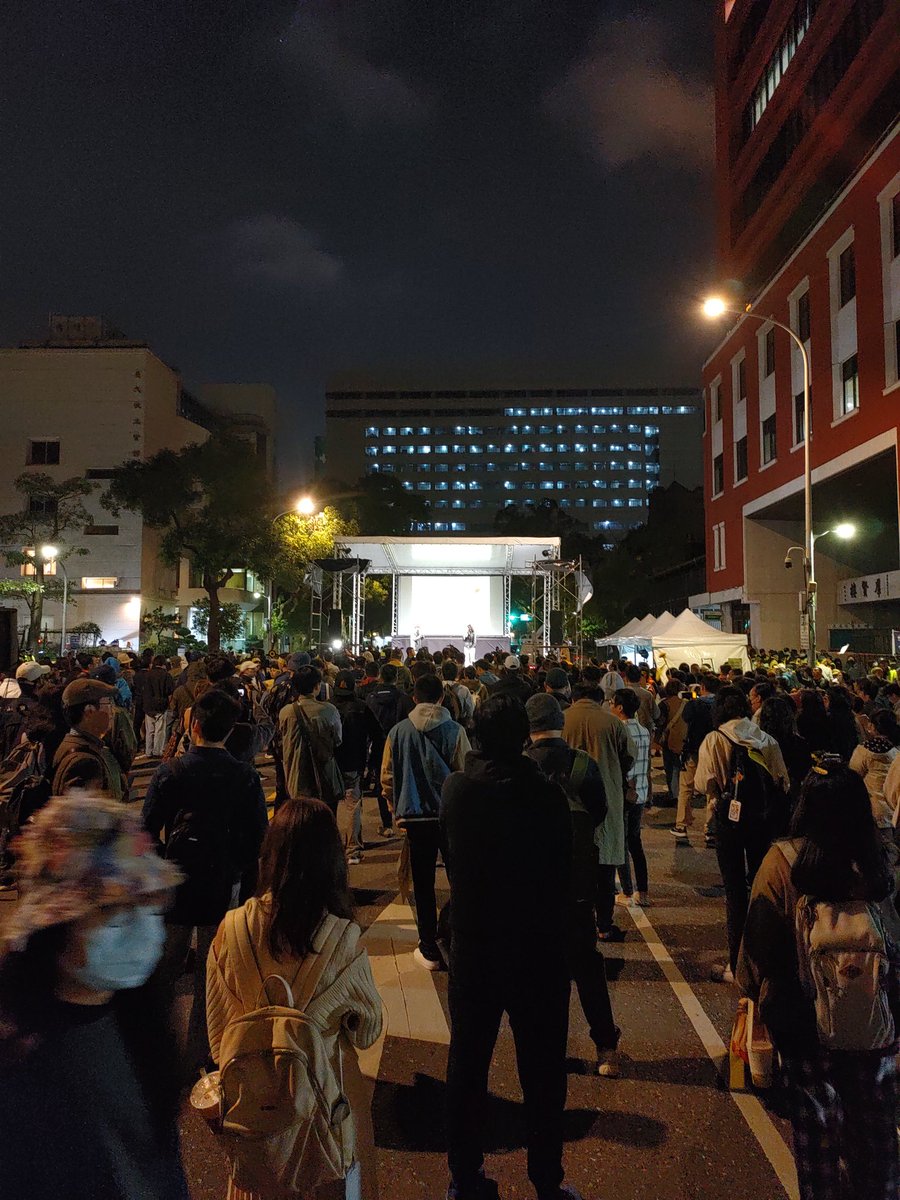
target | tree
[
  {"x": 166, "y": 630},
  {"x": 89, "y": 630},
  {"x": 213, "y": 505},
  {"x": 50, "y": 514},
  {"x": 231, "y": 621}
]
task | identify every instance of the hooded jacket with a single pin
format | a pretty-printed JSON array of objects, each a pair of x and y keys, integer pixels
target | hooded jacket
[
  {"x": 714, "y": 759},
  {"x": 587, "y": 808},
  {"x": 419, "y": 754},
  {"x": 121, "y": 683},
  {"x": 389, "y": 704}
]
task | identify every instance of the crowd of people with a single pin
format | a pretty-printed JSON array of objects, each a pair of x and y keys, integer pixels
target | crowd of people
[{"x": 529, "y": 780}]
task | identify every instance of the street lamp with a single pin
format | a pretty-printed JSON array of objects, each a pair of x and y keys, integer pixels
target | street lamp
[
  {"x": 845, "y": 530},
  {"x": 713, "y": 308},
  {"x": 304, "y": 507},
  {"x": 50, "y": 554}
]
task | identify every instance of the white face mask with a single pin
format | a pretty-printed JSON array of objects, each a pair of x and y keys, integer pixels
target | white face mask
[{"x": 122, "y": 952}]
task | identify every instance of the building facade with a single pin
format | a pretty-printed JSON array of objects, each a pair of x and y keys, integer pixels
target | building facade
[
  {"x": 597, "y": 452},
  {"x": 809, "y": 234},
  {"x": 80, "y": 404}
]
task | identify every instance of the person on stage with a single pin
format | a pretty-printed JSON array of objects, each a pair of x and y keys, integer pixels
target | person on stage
[{"x": 469, "y": 646}]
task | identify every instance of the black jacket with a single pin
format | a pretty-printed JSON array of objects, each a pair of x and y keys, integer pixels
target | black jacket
[
  {"x": 213, "y": 811},
  {"x": 390, "y": 706},
  {"x": 153, "y": 689},
  {"x": 512, "y": 684},
  {"x": 587, "y": 809},
  {"x": 697, "y": 715},
  {"x": 507, "y": 839},
  {"x": 358, "y": 728}
]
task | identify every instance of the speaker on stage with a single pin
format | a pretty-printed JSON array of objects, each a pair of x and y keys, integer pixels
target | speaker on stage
[
  {"x": 9, "y": 641},
  {"x": 556, "y": 627},
  {"x": 335, "y": 625}
]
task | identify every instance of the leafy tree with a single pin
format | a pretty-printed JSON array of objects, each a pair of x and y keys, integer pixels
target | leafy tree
[
  {"x": 213, "y": 505},
  {"x": 166, "y": 630},
  {"x": 89, "y": 630},
  {"x": 50, "y": 514},
  {"x": 231, "y": 621}
]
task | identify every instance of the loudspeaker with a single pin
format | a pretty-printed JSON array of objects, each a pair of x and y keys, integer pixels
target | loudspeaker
[
  {"x": 335, "y": 624},
  {"x": 556, "y": 627},
  {"x": 9, "y": 639}
]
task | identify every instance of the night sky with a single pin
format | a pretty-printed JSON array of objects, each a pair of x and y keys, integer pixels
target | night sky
[{"x": 449, "y": 191}]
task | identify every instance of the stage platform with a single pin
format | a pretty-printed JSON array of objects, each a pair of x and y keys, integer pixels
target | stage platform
[{"x": 436, "y": 642}]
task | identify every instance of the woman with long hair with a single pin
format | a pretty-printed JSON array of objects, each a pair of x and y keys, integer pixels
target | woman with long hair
[
  {"x": 842, "y": 1102},
  {"x": 89, "y": 1079},
  {"x": 843, "y": 735},
  {"x": 302, "y": 907},
  {"x": 812, "y": 720},
  {"x": 872, "y": 760},
  {"x": 778, "y": 718}
]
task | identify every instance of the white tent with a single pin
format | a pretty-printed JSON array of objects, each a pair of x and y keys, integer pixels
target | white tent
[
  {"x": 660, "y": 625},
  {"x": 625, "y": 632},
  {"x": 688, "y": 639}
]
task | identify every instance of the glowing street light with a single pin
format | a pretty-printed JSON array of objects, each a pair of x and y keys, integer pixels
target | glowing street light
[
  {"x": 50, "y": 554},
  {"x": 306, "y": 506},
  {"x": 845, "y": 530},
  {"x": 714, "y": 306}
]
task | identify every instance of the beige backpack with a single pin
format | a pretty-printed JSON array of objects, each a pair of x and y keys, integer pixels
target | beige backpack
[{"x": 285, "y": 1120}]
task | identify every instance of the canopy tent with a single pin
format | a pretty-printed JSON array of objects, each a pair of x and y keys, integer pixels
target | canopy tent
[
  {"x": 625, "y": 632},
  {"x": 660, "y": 625},
  {"x": 689, "y": 639}
]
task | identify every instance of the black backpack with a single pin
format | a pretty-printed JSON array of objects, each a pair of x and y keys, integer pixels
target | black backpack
[
  {"x": 751, "y": 786},
  {"x": 24, "y": 788}
]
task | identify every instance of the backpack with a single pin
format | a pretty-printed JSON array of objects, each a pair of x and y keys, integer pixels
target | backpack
[
  {"x": 845, "y": 964},
  {"x": 675, "y": 730},
  {"x": 285, "y": 1120},
  {"x": 24, "y": 788},
  {"x": 751, "y": 793}
]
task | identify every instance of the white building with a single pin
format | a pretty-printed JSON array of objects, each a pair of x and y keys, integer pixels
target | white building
[{"x": 82, "y": 403}]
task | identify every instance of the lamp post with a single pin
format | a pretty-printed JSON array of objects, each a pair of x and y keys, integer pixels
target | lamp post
[
  {"x": 845, "y": 531},
  {"x": 304, "y": 507},
  {"x": 715, "y": 307},
  {"x": 50, "y": 554}
]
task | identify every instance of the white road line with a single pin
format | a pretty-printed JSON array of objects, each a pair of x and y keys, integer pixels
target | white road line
[{"x": 760, "y": 1124}]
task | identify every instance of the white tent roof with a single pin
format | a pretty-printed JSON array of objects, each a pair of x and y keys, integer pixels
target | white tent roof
[
  {"x": 627, "y": 629},
  {"x": 688, "y": 638},
  {"x": 661, "y": 624},
  {"x": 452, "y": 555},
  {"x": 687, "y": 626}
]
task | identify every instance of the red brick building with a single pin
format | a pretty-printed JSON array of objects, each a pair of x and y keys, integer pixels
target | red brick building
[{"x": 808, "y": 197}]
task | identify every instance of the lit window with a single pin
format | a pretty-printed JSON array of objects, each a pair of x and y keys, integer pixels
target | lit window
[
  {"x": 406, "y": 431},
  {"x": 651, "y": 430},
  {"x": 371, "y": 451},
  {"x": 98, "y": 582},
  {"x": 457, "y": 526},
  {"x": 653, "y": 468},
  {"x": 424, "y": 487},
  {"x": 474, "y": 486},
  {"x": 850, "y": 384},
  {"x": 459, "y": 485},
  {"x": 440, "y": 468},
  {"x": 424, "y": 450},
  {"x": 424, "y": 431},
  {"x": 580, "y": 448},
  {"x": 635, "y": 504},
  {"x": 440, "y": 527},
  {"x": 372, "y": 431},
  {"x": 458, "y": 449},
  {"x": 617, "y": 447},
  {"x": 408, "y": 449},
  {"x": 475, "y": 449},
  {"x": 442, "y": 486},
  {"x": 546, "y": 485}
]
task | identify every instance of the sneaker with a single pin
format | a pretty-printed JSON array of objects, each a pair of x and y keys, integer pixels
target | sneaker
[
  {"x": 722, "y": 973},
  {"x": 609, "y": 1064},
  {"x": 354, "y": 860},
  {"x": 426, "y": 960},
  {"x": 642, "y": 899},
  {"x": 386, "y": 832},
  {"x": 624, "y": 901},
  {"x": 679, "y": 832},
  {"x": 613, "y": 934},
  {"x": 710, "y": 841}
]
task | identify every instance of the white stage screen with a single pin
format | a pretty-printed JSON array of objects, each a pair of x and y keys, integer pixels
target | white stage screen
[{"x": 446, "y": 604}]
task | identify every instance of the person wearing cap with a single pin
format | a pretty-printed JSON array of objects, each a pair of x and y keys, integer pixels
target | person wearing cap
[
  {"x": 84, "y": 759},
  {"x": 359, "y": 729},
  {"x": 511, "y": 682},
  {"x": 558, "y": 685},
  {"x": 579, "y": 777},
  {"x": 17, "y": 699},
  {"x": 507, "y": 838},
  {"x": 89, "y": 1085},
  {"x": 589, "y": 725},
  {"x": 121, "y": 737}
]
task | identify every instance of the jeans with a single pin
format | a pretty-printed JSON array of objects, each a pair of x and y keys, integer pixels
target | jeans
[
  {"x": 178, "y": 942},
  {"x": 538, "y": 1010},
  {"x": 349, "y": 814},
  {"x": 156, "y": 733},
  {"x": 588, "y": 972},
  {"x": 635, "y": 849},
  {"x": 375, "y": 756},
  {"x": 606, "y": 896},
  {"x": 671, "y": 769},
  {"x": 740, "y": 848},
  {"x": 424, "y": 843}
]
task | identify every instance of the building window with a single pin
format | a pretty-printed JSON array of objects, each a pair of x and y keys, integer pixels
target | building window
[
  {"x": 847, "y": 275},
  {"x": 798, "y": 419},
  {"x": 100, "y": 530},
  {"x": 742, "y": 380},
  {"x": 718, "y": 474},
  {"x": 716, "y": 403},
  {"x": 718, "y": 532},
  {"x": 98, "y": 582},
  {"x": 895, "y": 224},
  {"x": 850, "y": 385},
  {"x": 803, "y": 316},
  {"x": 740, "y": 459},
  {"x": 43, "y": 454},
  {"x": 42, "y": 506},
  {"x": 770, "y": 352},
  {"x": 793, "y": 35},
  {"x": 769, "y": 444}
]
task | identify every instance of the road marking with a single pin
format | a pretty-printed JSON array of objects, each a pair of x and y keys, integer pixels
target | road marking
[
  {"x": 412, "y": 1006},
  {"x": 758, "y": 1120}
]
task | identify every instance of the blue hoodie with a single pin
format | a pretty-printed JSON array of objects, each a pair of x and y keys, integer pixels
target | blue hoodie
[
  {"x": 121, "y": 685},
  {"x": 419, "y": 754}
]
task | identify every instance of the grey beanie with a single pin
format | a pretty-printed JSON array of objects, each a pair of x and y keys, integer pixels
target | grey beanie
[{"x": 544, "y": 713}]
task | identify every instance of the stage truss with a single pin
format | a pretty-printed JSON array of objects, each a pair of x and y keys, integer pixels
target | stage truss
[{"x": 557, "y": 587}]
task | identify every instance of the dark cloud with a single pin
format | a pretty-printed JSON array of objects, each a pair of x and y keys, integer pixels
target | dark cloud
[{"x": 279, "y": 250}]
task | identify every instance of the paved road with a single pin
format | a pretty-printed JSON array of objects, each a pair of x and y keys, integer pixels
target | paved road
[{"x": 666, "y": 1128}]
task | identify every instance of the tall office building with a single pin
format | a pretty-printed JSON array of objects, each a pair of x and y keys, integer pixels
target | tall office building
[
  {"x": 808, "y": 195},
  {"x": 79, "y": 404},
  {"x": 596, "y": 451}
]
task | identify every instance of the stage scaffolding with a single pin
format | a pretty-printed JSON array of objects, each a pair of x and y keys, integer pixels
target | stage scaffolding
[
  {"x": 557, "y": 586},
  {"x": 337, "y": 580}
]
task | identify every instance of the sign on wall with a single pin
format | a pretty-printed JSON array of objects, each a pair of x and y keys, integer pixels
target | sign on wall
[{"x": 866, "y": 589}]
